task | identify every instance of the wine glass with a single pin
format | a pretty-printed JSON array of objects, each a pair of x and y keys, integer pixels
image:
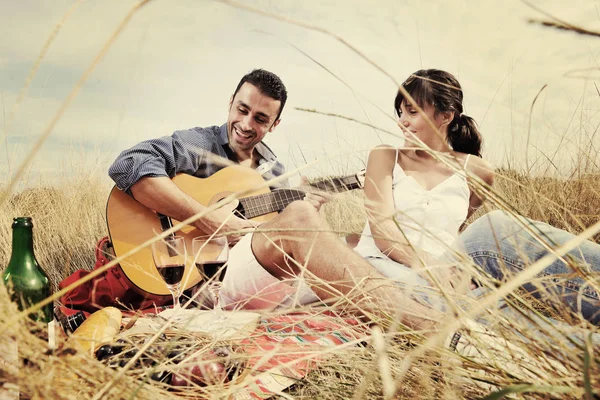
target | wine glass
[
  {"x": 170, "y": 257},
  {"x": 210, "y": 255}
]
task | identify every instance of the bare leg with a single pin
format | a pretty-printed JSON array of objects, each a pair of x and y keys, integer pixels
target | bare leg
[{"x": 299, "y": 238}]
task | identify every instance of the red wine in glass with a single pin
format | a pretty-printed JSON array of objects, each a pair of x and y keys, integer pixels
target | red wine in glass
[
  {"x": 172, "y": 274},
  {"x": 210, "y": 268}
]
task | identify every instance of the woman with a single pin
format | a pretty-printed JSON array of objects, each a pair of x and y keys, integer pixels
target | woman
[{"x": 418, "y": 196}]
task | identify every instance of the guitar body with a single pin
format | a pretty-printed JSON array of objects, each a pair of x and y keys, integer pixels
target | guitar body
[{"x": 131, "y": 224}]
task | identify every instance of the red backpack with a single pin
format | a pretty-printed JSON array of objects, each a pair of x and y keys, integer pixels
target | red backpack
[{"x": 111, "y": 288}]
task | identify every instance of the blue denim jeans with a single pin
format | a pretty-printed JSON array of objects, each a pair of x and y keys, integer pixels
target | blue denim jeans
[{"x": 501, "y": 247}]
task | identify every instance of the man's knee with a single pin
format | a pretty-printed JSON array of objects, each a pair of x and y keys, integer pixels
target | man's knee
[{"x": 300, "y": 214}]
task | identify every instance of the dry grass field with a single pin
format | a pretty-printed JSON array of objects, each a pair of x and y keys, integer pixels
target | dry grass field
[
  {"x": 69, "y": 219},
  {"x": 521, "y": 353}
]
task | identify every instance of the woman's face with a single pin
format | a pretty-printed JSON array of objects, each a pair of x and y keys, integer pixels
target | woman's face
[{"x": 415, "y": 124}]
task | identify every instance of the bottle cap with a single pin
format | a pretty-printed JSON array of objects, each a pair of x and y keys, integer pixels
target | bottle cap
[{"x": 22, "y": 221}]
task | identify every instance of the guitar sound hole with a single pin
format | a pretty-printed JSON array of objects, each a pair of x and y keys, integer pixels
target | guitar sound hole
[
  {"x": 218, "y": 197},
  {"x": 239, "y": 210}
]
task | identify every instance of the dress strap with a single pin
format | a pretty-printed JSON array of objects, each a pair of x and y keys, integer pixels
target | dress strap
[{"x": 397, "y": 166}]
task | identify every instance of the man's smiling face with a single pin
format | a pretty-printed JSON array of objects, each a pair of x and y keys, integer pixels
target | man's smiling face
[{"x": 251, "y": 116}]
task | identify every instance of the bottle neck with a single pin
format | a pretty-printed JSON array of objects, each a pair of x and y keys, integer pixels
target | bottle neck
[{"x": 22, "y": 243}]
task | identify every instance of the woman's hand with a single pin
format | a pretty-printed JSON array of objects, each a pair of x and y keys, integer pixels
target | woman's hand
[{"x": 445, "y": 276}]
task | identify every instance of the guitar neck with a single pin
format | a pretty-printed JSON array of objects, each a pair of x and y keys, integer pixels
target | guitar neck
[
  {"x": 279, "y": 199},
  {"x": 340, "y": 184},
  {"x": 266, "y": 203}
]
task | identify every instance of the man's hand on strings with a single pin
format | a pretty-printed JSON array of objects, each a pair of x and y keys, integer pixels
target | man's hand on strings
[
  {"x": 314, "y": 197},
  {"x": 225, "y": 221}
]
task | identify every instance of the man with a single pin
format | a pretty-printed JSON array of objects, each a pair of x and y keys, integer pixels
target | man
[{"x": 291, "y": 259}]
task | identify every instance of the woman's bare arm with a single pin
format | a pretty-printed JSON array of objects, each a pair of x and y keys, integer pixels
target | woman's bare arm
[
  {"x": 484, "y": 171},
  {"x": 380, "y": 209}
]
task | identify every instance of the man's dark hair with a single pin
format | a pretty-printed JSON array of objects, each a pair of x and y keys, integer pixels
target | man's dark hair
[{"x": 268, "y": 83}]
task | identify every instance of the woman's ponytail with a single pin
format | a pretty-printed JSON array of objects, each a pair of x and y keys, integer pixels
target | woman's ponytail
[{"x": 464, "y": 135}]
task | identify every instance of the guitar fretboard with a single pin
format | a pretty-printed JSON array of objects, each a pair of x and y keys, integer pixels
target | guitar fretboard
[
  {"x": 338, "y": 184},
  {"x": 279, "y": 199},
  {"x": 266, "y": 203}
]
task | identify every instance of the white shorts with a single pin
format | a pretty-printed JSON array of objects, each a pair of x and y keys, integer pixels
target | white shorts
[{"x": 248, "y": 285}]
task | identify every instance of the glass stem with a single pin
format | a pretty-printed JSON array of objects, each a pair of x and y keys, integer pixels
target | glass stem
[
  {"x": 175, "y": 293},
  {"x": 216, "y": 289},
  {"x": 218, "y": 300}
]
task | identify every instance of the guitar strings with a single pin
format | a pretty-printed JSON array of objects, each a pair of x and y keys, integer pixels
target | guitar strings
[
  {"x": 263, "y": 203},
  {"x": 257, "y": 205}
]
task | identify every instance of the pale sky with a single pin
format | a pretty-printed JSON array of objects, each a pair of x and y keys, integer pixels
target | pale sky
[{"x": 177, "y": 63}]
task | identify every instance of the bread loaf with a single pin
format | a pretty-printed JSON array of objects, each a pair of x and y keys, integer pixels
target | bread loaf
[{"x": 100, "y": 327}]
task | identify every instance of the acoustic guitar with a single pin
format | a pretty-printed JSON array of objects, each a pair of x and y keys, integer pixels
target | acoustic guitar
[{"x": 130, "y": 223}]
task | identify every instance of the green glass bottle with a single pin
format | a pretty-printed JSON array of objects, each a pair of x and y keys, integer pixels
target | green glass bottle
[{"x": 25, "y": 280}]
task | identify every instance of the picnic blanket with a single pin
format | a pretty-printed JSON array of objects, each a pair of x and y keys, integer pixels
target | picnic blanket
[
  {"x": 278, "y": 350},
  {"x": 294, "y": 345},
  {"x": 281, "y": 349}
]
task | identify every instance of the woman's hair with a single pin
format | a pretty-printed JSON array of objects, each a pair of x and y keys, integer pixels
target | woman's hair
[{"x": 442, "y": 91}]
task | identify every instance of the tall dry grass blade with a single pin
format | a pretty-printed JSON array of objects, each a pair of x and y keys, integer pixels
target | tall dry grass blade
[
  {"x": 534, "y": 269},
  {"x": 311, "y": 27},
  {"x": 529, "y": 389},
  {"x": 587, "y": 360},
  {"x": 35, "y": 67},
  {"x": 355, "y": 369},
  {"x": 557, "y": 22},
  {"x": 328, "y": 114},
  {"x": 379, "y": 343},
  {"x": 38, "y": 144},
  {"x": 105, "y": 390},
  {"x": 330, "y": 72},
  {"x": 529, "y": 127},
  {"x": 565, "y": 27}
]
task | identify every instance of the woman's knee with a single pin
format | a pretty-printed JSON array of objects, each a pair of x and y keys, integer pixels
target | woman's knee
[
  {"x": 494, "y": 224},
  {"x": 495, "y": 219}
]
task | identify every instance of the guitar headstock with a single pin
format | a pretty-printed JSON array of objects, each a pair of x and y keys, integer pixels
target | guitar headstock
[
  {"x": 341, "y": 184},
  {"x": 360, "y": 177}
]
